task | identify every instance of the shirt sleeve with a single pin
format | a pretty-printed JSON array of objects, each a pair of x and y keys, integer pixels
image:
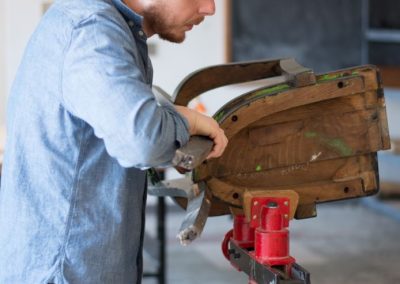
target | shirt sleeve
[{"x": 103, "y": 85}]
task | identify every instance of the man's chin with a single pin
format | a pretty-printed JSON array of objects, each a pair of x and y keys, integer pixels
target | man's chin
[{"x": 173, "y": 37}]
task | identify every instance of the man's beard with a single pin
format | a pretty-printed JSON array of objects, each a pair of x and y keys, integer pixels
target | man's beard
[{"x": 157, "y": 20}]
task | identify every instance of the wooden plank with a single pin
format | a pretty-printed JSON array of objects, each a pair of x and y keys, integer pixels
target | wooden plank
[
  {"x": 239, "y": 116},
  {"x": 299, "y": 142},
  {"x": 360, "y": 101},
  {"x": 308, "y": 193}
]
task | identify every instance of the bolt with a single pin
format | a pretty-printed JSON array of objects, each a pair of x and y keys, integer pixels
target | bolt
[
  {"x": 272, "y": 204},
  {"x": 236, "y": 255}
]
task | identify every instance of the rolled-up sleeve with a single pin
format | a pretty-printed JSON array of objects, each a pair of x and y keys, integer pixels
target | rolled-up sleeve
[{"x": 102, "y": 84}]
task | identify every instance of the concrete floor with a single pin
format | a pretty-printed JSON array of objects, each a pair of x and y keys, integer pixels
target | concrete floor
[{"x": 347, "y": 243}]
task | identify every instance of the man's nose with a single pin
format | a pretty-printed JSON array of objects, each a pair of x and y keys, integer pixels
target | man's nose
[{"x": 207, "y": 7}]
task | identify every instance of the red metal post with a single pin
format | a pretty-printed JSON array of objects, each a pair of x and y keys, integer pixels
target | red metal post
[
  {"x": 272, "y": 238},
  {"x": 243, "y": 234}
]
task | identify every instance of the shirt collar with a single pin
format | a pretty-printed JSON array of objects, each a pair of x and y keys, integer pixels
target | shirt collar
[{"x": 128, "y": 13}]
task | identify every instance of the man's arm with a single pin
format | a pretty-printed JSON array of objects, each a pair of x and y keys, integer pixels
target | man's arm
[{"x": 103, "y": 86}]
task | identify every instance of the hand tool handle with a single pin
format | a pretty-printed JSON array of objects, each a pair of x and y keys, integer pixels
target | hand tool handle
[{"x": 193, "y": 153}]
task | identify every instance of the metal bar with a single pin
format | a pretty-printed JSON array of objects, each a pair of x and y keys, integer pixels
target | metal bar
[
  {"x": 364, "y": 28},
  {"x": 197, "y": 210},
  {"x": 262, "y": 274},
  {"x": 383, "y": 35},
  {"x": 156, "y": 178},
  {"x": 150, "y": 274},
  {"x": 193, "y": 153},
  {"x": 181, "y": 187},
  {"x": 161, "y": 233}
]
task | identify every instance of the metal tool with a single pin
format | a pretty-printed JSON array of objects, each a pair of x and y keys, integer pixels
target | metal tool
[{"x": 198, "y": 203}]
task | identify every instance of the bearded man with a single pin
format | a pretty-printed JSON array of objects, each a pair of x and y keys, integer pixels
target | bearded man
[{"x": 82, "y": 126}]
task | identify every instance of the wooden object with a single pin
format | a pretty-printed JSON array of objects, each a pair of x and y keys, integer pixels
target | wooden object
[
  {"x": 396, "y": 146},
  {"x": 318, "y": 140},
  {"x": 390, "y": 76}
]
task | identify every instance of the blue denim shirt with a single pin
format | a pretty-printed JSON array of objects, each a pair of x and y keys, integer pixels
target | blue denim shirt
[{"x": 82, "y": 120}]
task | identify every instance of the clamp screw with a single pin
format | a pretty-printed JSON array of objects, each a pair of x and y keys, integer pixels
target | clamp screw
[{"x": 236, "y": 255}]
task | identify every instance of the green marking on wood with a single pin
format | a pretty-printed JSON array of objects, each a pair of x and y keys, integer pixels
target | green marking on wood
[
  {"x": 219, "y": 116},
  {"x": 341, "y": 146},
  {"x": 310, "y": 134},
  {"x": 328, "y": 77},
  {"x": 258, "y": 168},
  {"x": 270, "y": 90},
  {"x": 336, "y": 143}
]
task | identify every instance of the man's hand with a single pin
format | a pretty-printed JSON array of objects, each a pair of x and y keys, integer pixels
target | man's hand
[{"x": 200, "y": 124}]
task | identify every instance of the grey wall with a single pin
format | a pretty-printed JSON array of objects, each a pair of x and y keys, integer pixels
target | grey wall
[{"x": 322, "y": 35}]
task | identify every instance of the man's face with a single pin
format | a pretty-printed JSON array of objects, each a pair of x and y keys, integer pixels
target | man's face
[{"x": 171, "y": 19}]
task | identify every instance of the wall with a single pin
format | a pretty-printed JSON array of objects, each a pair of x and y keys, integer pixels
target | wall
[
  {"x": 21, "y": 19},
  {"x": 2, "y": 70},
  {"x": 322, "y": 35},
  {"x": 18, "y": 20}
]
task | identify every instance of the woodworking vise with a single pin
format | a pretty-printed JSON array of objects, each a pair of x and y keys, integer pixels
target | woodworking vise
[{"x": 299, "y": 140}]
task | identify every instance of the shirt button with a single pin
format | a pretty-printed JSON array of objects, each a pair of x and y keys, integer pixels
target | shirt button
[
  {"x": 131, "y": 24},
  {"x": 141, "y": 33}
]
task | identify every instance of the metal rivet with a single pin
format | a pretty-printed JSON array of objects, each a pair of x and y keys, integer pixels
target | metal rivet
[
  {"x": 286, "y": 203},
  {"x": 255, "y": 203},
  {"x": 236, "y": 255},
  {"x": 131, "y": 24},
  {"x": 286, "y": 216},
  {"x": 254, "y": 217},
  {"x": 141, "y": 33}
]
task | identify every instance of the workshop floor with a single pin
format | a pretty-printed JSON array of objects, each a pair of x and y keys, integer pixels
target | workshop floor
[{"x": 347, "y": 243}]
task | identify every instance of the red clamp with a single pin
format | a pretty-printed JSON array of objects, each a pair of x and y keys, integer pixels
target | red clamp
[{"x": 266, "y": 235}]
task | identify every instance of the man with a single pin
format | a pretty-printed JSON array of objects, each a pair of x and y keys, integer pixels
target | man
[{"x": 82, "y": 123}]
